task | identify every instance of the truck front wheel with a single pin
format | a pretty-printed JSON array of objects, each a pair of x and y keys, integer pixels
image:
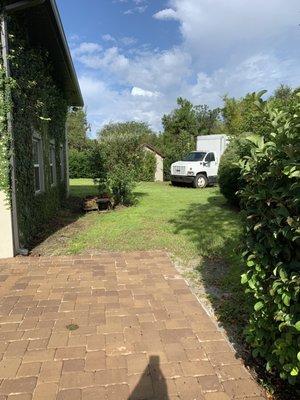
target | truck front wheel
[{"x": 200, "y": 181}]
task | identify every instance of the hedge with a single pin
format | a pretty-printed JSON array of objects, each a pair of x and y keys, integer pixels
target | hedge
[
  {"x": 79, "y": 164},
  {"x": 270, "y": 200},
  {"x": 229, "y": 174}
]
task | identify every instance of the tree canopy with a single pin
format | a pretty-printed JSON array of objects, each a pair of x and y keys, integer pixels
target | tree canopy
[{"x": 77, "y": 129}]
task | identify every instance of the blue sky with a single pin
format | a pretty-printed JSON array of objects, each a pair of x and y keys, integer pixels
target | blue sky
[{"x": 135, "y": 57}]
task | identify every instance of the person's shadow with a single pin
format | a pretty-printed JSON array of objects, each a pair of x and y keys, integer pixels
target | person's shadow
[{"x": 152, "y": 384}]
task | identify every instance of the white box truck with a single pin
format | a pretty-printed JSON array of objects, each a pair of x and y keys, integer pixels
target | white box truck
[{"x": 200, "y": 167}]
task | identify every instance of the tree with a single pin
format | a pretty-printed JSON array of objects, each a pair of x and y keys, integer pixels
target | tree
[
  {"x": 209, "y": 120},
  {"x": 241, "y": 116},
  {"x": 124, "y": 156},
  {"x": 121, "y": 143},
  {"x": 180, "y": 131},
  {"x": 77, "y": 129}
]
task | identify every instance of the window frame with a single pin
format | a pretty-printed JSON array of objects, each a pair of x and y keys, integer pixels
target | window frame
[
  {"x": 208, "y": 157},
  {"x": 62, "y": 162},
  {"x": 52, "y": 163},
  {"x": 36, "y": 138}
]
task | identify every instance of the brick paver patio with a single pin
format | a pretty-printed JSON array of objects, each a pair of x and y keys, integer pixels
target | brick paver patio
[{"x": 141, "y": 333}]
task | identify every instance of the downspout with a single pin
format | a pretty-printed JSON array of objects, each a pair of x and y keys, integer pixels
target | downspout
[
  {"x": 67, "y": 174},
  {"x": 4, "y": 44}
]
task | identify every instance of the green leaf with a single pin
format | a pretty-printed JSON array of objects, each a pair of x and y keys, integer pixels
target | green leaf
[
  {"x": 297, "y": 325},
  {"x": 244, "y": 279},
  {"x": 294, "y": 371},
  {"x": 298, "y": 356},
  {"x": 258, "y": 306},
  {"x": 286, "y": 298}
]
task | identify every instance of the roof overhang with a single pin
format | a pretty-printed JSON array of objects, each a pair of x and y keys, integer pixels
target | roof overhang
[{"x": 45, "y": 30}]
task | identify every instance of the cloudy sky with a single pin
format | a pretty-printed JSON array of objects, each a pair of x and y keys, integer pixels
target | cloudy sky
[{"x": 135, "y": 57}]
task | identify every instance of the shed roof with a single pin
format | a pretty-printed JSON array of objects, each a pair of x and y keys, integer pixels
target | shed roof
[
  {"x": 45, "y": 29},
  {"x": 154, "y": 149}
]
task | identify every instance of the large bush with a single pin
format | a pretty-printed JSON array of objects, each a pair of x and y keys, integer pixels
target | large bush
[
  {"x": 270, "y": 200},
  {"x": 123, "y": 154},
  {"x": 229, "y": 174}
]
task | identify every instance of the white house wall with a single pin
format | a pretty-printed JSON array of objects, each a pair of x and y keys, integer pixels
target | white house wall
[
  {"x": 159, "y": 173},
  {"x": 6, "y": 230}
]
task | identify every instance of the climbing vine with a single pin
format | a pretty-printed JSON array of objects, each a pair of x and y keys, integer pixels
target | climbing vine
[
  {"x": 38, "y": 106},
  {"x": 5, "y": 139}
]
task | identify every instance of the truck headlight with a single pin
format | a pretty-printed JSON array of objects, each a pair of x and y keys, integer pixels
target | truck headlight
[{"x": 191, "y": 173}]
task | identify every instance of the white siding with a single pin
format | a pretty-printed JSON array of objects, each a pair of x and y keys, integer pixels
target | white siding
[
  {"x": 159, "y": 173},
  {"x": 6, "y": 242}
]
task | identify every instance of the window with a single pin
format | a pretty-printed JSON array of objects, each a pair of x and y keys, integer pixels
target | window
[
  {"x": 38, "y": 165},
  {"x": 52, "y": 164},
  {"x": 62, "y": 162},
  {"x": 195, "y": 156},
  {"x": 210, "y": 157}
]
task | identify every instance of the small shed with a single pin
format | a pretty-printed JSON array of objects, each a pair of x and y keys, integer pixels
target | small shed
[{"x": 159, "y": 173}]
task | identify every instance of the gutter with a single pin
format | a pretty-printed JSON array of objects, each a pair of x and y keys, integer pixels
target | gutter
[
  {"x": 22, "y": 5},
  {"x": 66, "y": 48}
]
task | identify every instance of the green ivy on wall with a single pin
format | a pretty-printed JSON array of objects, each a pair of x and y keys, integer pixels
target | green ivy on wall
[
  {"x": 5, "y": 139},
  {"x": 38, "y": 106}
]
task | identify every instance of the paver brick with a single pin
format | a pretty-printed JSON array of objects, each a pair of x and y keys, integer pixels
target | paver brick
[
  {"x": 117, "y": 392},
  {"x": 29, "y": 369},
  {"x": 18, "y": 385},
  {"x": 95, "y": 360},
  {"x": 241, "y": 388},
  {"x": 9, "y": 367},
  {"x": 39, "y": 355},
  {"x": 209, "y": 383},
  {"x": 77, "y": 380},
  {"x": 217, "y": 396},
  {"x": 45, "y": 391},
  {"x": 93, "y": 393},
  {"x": 197, "y": 368},
  {"x": 69, "y": 394},
  {"x": 70, "y": 352},
  {"x": 50, "y": 371},
  {"x": 142, "y": 334},
  {"x": 111, "y": 376},
  {"x": 73, "y": 365}
]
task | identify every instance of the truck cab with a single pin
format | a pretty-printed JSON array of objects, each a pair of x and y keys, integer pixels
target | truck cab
[{"x": 200, "y": 167}]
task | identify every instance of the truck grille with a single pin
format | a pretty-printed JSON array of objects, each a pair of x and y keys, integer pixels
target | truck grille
[{"x": 178, "y": 170}]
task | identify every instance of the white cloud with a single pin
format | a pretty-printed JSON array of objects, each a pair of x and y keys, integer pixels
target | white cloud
[
  {"x": 219, "y": 31},
  {"x": 167, "y": 13},
  {"x": 108, "y": 38},
  {"x": 136, "y": 91},
  {"x": 227, "y": 47},
  {"x": 86, "y": 48},
  {"x": 128, "y": 40},
  {"x": 139, "y": 10}
]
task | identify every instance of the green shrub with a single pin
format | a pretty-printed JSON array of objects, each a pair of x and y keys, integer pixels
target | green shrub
[
  {"x": 123, "y": 160},
  {"x": 270, "y": 200},
  {"x": 229, "y": 174},
  {"x": 148, "y": 168},
  {"x": 121, "y": 184},
  {"x": 79, "y": 164}
]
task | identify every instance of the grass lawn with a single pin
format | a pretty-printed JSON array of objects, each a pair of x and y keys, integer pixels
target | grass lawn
[{"x": 187, "y": 222}]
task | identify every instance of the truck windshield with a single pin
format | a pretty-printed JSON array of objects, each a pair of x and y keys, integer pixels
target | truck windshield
[{"x": 195, "y": 156}]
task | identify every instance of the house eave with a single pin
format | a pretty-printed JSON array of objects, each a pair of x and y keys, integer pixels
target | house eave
[{"x": 46, "y": 30}]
